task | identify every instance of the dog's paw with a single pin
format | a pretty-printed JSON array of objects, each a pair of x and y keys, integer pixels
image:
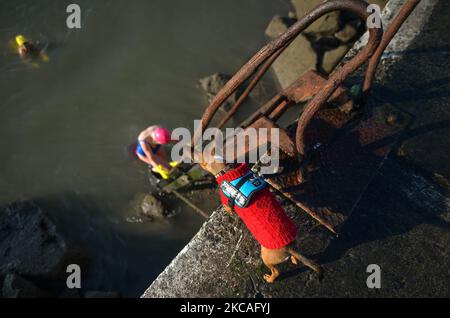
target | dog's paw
[
  {"x": 294, "y": 260},
  {"x": 228, "y": 209},
  {"x": 268, "y": 279},
  {"x": 319, "y": 272}
]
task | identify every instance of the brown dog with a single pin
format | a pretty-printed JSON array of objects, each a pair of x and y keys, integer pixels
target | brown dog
[{"x": 266, "y": 220}]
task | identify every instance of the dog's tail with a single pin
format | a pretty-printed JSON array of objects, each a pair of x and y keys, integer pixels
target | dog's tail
[{"x": 306, "y": 261}]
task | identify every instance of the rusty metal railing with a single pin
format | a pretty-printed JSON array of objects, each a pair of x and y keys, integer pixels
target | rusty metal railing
[
  {"x": 272, "y": 50},
  {"x": 262, "y": 60},
  {"x": 392, "y": 29},
  {"x": 329, "y": 200}
]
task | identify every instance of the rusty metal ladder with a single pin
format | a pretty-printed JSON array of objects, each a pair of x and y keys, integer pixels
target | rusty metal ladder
[{"x": 326, "y": 181}]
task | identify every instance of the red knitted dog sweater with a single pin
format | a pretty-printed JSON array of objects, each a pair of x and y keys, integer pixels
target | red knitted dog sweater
[{"x": 264, "y": 216}]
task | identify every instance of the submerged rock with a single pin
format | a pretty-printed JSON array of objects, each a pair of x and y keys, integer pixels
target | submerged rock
[
  {"x": 212, "y": 84},
  {"x": 146, "y": 207},
  {"x": 152, "y": 208},
  {"x": 15, "y": 286},
  {"x": 29, "y": 243}
]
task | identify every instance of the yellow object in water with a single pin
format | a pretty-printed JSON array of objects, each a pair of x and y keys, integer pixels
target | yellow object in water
[
  {"x": 20, "y": 40},
  {"x": 44, "y": 57},
  {"x": 173, "y": 164},
  {"x": 163, "y": 172}
]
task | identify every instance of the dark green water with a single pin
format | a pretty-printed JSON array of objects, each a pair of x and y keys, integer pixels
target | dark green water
[{"x": 65, "y": 127}]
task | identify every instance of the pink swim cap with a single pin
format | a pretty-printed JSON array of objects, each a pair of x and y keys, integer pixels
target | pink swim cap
[{"x": 161, "y": 135}]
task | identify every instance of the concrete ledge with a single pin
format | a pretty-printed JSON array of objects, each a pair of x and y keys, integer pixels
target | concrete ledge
[
  {"x": 222, "y": 260},
  {"x": 407, "y": 33}
]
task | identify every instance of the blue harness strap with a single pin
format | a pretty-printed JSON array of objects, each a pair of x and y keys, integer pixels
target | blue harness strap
[{"x": 241, "y": 190}]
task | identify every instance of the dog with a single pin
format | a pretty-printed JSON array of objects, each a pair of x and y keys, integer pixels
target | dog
[{"x": 262, "y": 213}]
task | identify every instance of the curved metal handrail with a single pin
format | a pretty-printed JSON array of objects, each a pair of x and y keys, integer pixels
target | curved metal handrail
[
  {"x": 391, "y": 30},
  {"x": 278, "y": 45}
]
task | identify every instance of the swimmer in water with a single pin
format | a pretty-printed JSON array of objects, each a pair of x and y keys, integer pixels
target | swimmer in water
[
  {"x": 30, "y": 52},
  {"x": 149, "y": 149},
  {"x": 26, "y": 48}
]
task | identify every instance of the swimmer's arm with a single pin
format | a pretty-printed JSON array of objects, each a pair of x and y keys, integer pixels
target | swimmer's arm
[
  {"x": 144, "y": 159},
  {"x": 147, "y": 133},
  {"x": 153, "y": 159},
  {"x": 148, "y": 154}
]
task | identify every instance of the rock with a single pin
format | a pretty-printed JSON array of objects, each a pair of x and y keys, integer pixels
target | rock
[
  {"x": 297, "y": 59},
  {"x": 145, "y": 207},
  {"x": 212, "y": 84},
  {"x": 326, "y": 25},
  {"x": 151, "y": 207},
  {"x": 15, "y": 286},
  {"x": 101, "y": 294},
  {"x": 347, "y": 33},
  {"x": 29, "y": 243},
  {"x": 292, "y": 15},
  {"x": 333, "y": 57},
  {"x": 277, "y": 26}
]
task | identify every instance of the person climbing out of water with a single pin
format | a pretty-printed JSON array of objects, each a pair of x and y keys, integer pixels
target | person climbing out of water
[{"x": 149, "y": 150}]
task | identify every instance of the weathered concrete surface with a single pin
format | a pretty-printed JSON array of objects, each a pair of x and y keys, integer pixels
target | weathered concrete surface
[
  {"x": 407, "y": 33},
  {"x": 402, "y": 223},
  {"x": 409, "y": 239}
]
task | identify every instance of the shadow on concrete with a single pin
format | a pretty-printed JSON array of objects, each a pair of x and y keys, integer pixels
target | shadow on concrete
[{"x": 405, "y": 194}]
